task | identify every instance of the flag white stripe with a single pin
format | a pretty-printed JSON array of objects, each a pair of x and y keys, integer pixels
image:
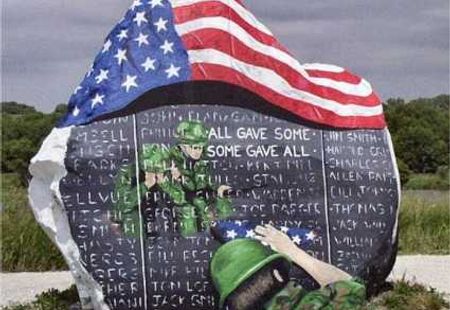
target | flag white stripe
[
  {"x": 363, "y": 89},
  {"x": 278, "y": 84},
  {"x": 224, "y": 24},
  {"x": 323, "y": 67},
  {"x": 227, "y": 25},
  {"x": 235, "y": 6}
]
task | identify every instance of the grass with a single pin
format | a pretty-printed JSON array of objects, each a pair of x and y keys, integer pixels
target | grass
[
  {"x": 408, "y": 296},
  {"x": 25, "y": 246},
  {"x": 424, "y": 229},
  {"x": 428, "y": 182},
  {"x": 425, "y": 223},
  {"x": 403, "y": 296}
]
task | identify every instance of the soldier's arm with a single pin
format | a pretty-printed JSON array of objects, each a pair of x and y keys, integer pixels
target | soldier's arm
[{"x": 322, "y": 272}]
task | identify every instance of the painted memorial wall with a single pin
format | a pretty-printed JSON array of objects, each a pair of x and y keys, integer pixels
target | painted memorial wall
[{"x": 339, "y": 183}]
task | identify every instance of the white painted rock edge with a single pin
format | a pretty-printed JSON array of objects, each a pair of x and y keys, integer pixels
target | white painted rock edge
[{"x": 47, "y": 169}]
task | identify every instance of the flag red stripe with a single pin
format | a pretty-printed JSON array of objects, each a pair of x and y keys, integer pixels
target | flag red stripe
[
  {"x": 223, "y": 41},
  {"x": 217, "y": 9},
  {"x": 300, "y": 108},
  {"x": 344, "y": 76}
]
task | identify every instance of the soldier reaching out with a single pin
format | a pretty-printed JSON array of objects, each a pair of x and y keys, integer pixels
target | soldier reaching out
[{"x": 183, "y": 174}]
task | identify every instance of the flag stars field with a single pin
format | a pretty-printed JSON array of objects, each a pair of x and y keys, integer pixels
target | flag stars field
[
  {"x": 231, "y": 234},
  {"x": 149, "y": 64},
  {"x": 167, "y": 47},
  {"x": 97, "y": 100},
  {"x": 103, "y": 75},
  {"x": 194, "y": 47},
  {"x": 161, "y": 24},
  {"x": 296, "y": 239},
  {"x": 230, "y": 230},
  {"x": 142, "y": 39},
  {"x": 136, "y": 3},
  {"x": 107, "y": 46},
  {"x": 140, "y": 19},
  {"x": 142, "y": 52},
  {"x": 173, "y": 71},
  {"x": 77, "y": 89},
  {"x": 250, "y": 234},
  {"x": 155, "y": 3},
  {"x": 121, "y": 56},
  {"x": 123, "y": 34},
  {"x": 76, "y": 111},
  {"x": 130, "y": 82},
  {"x": 311, "y": 236}
]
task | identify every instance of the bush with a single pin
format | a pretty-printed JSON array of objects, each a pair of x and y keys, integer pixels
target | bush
[
  {"x": 23, "y": 130},
  {"x": 405, "y": 172},
  {"x": 420, "y": 132}
]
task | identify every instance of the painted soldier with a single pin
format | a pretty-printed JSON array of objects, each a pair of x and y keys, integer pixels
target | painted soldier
[
  {"x": 183, "y": 174},
  {"x": 250, "y": 276},
  {"x": 186, "y": 180}
]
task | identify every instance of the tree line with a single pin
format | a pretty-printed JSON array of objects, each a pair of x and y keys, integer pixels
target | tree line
[{"x": 419, "y": 129}]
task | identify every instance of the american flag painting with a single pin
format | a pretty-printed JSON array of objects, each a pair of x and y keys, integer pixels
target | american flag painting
[
  {"x": 161, "y": 42},
  {"x": 228, "y": 230}
]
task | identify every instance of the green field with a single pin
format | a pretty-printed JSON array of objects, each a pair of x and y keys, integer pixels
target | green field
[
  {"x": 424, "y": 228},
  {"x": 425, "y": 222}
]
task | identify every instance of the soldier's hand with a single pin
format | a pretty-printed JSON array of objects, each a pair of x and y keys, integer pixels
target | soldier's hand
[
  {"x": 276, "y": 239},
  {"x": 150, "y": 179},
  {"x": 176, "y": 174},
  {"x": 222, "y": 189},
  {"x": 160, "y": 178}
]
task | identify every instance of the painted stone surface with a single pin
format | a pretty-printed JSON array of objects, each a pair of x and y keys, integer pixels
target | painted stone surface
[{"x": 340, "y": 183}]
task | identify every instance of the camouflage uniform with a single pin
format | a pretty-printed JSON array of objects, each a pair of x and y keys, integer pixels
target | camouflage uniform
[
  {"x": 341, "y": 295},
  {"x": 194, "y": 195}
]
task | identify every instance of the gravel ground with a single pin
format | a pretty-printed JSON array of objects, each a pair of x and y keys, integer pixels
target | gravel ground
[
  {"x": 22, "y": 287},
  {"x": 433, "y": 271}
]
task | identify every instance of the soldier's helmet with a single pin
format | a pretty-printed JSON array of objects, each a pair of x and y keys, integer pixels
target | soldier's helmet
[
  {"x": 236, "y": 262},
  {"x": 192, "y": 133},
  {"x": 155, "y": 159}
]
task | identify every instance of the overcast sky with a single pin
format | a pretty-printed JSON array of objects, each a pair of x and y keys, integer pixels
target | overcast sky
[{"x": 400, "y": 46}]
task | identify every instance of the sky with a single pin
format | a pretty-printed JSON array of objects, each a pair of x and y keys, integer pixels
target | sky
[{"x": 401, "y": 47}]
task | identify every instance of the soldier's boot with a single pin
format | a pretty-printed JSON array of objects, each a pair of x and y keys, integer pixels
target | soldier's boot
[
  {"x": 224, "y": 209},
  {"x": 204, "y": 213},
  {"x": 187, "y": 220}
]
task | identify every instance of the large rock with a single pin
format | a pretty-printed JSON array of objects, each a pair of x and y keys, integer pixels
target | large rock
[{"x": 341, "y": 183}]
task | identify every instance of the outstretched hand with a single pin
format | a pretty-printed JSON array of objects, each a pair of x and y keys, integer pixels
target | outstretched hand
[
  {"x": 222, "y": 189},
  {"x": 322, "y": 272},
  {"x": 150, "y": 179},
  {"x": 275, "y": 238}
]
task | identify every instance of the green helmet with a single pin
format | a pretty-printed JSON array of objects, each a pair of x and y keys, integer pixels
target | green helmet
[
  {"x": 237, "y": 261},
  {"x": 155, "y": 159},
  {"x": 192, "y": 133}
]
